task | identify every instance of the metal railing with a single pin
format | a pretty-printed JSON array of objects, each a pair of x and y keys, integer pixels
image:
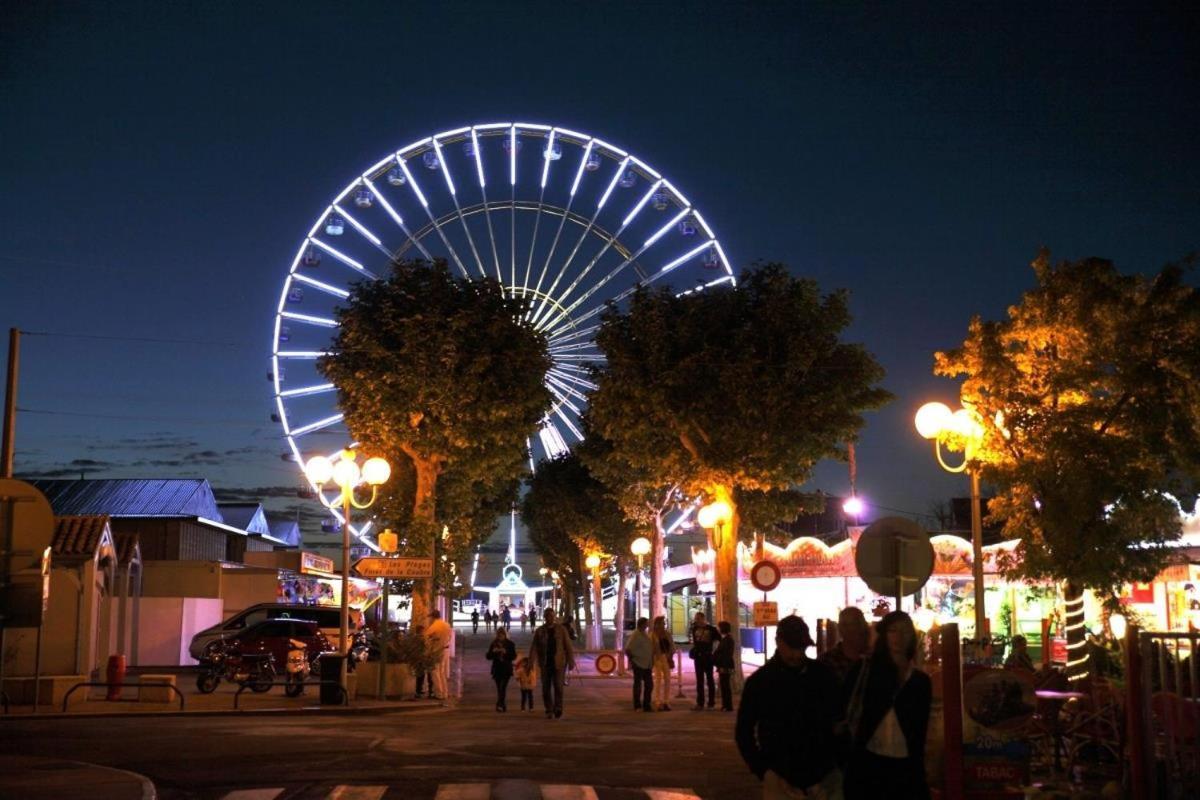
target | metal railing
[
  {"x": 138, "y": 686},
  {"x": 1168, "y": 695}
]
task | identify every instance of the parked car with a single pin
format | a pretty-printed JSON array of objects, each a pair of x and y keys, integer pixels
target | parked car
[{"x": 328, "y": 619}]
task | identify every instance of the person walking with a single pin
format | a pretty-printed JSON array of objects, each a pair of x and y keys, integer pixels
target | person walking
[
  {"x": 853, "y": 645},
  {"x": 664, "y": 660},
  {"x": 502, "y": 653},
  {"x": 785, "y": 722},
  {"x": 639, "y": 650},
  {"x": 506, "y": 617},
  {"x": 704, "y": 638},
  {"x": 527, "y": 678},
  {"x": 439, "y": 635},
  {"x": 551, "y": 651},
  {"x": 422, "y": 676},
  {"x": 888, "y": 716},
  {"x": 524, "y": 619},
  {"x": 475, "y": 621},
  {"x": 723, "y": 661},
  {"x": 532, "y": 617}
]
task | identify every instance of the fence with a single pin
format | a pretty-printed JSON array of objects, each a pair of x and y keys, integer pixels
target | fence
[{"x": 1163, "y": 697}]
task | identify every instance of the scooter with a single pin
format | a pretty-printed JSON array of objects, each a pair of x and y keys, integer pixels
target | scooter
[{"x": 299, "y": 667}]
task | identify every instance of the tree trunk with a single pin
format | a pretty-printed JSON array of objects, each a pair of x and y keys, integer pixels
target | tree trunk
[
  {"x": 656, "y": 568},
  {"x": 424, "y": 512},
  {"x": 726, "y": 577},
  {"x": 619, "y": 615},
  {"x": 583, "y": 574},
  {"x": 1077, "y": 653}
]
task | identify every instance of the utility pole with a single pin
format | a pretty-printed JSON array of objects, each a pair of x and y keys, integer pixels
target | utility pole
[{"x": 10, "y": 404}]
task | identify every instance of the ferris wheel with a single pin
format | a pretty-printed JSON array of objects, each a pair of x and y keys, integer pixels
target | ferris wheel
[{"x": 560, "y": 218}]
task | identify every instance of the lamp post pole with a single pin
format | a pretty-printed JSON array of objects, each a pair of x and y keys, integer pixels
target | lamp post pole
[
  {"x": 344, "y": 629},
  {"x": 935, "y": 421}
]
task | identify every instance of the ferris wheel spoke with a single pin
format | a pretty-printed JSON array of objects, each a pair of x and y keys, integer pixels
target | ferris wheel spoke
[
  {"x": 577, "y": 369},
  {"x": 571, "y": 379},
  {"x": 304, "y": 391},
  {"x": 487, "y": 214},
  {"x": 457, "y": 208},
  {"x": 342, "y": 257},
  {"x": 566, "y": 389},
  {"x": 362, "y": 229},
  {"x": 620, "y": 267},
  {"x": 397, "y": 219},
  {"x": 309, "y": 319},
  {"x": 566, "y": 337},
  {"x": 570, "y": 425},
  {"x": 567, "y": 348},
  {"x": 587, "y": 229},
  {"x": 607, "y": 245},
  {"x": 436, "y": 226},
  {"x": 583, "y": 162},
  {"x": 318, "y": 425},
  {"x": 319, "y": 285}
]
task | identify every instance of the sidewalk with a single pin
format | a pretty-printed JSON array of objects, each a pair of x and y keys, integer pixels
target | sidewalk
[{"x": 31, "y": 778}]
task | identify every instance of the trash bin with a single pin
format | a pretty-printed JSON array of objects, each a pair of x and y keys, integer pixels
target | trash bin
[{"x": 331, "y": 675}]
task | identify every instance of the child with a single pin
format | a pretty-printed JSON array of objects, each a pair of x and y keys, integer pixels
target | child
[
  {"x": 723, "y": 661},
  {"x": 527, "y": 678}
]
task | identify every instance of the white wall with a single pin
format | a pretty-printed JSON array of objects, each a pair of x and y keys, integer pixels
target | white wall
[{"x": 167, "y": 627}]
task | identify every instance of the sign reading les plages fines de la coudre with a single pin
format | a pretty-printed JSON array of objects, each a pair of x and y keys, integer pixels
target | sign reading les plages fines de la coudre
[{"x": 379, "y": 567}]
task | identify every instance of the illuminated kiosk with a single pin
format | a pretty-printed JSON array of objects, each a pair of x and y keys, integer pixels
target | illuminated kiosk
[{"x": 512, "y": 591}]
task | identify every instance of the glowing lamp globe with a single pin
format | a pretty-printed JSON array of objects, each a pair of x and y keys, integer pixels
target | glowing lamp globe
[
  {"x": 853, "y": 506},
  {"x": 924, "y": 619},
  {"x": 592, "y": 561},
  {"x": 376, "y": 471},
  {"x": 932, "y": 419},
  {"x": 388, "y": 541},
  {"x": 345, "y": 473},
  {"x": 543, "y": 572},
  {"x": 966, "y": 424},
  {"x": 1118, "y": 624},
  {"x": 714, "y": 514},
  {"x": 318, "y": 470},
  {"x": 640, "y": 546}
]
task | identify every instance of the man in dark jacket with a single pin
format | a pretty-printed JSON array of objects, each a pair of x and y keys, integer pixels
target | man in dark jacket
[
  {"x": 704, "y": 638},
  {"x": 786, "y": 719}
]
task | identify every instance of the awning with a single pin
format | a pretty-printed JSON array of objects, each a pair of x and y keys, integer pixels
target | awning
[{"x": 675, "y": 586}]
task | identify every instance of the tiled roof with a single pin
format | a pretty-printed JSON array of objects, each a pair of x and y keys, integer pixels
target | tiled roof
[
  {"x": 247, "y": 516},
  {"x": 132, "y": 497},
  {"x": 78, "y": 535},
  {"x": 126, "y": 544}
]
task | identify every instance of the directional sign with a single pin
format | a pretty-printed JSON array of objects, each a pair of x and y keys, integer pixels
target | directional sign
[
  {"x": 766, "y": 613},
  {"x": 380, "y": 567}
]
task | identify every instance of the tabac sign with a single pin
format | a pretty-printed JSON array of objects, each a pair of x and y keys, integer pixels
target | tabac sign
[{"x": 381, "y": 567}]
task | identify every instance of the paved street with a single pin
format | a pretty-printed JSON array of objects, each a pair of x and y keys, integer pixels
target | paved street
[{"x": 600, "y": 742}]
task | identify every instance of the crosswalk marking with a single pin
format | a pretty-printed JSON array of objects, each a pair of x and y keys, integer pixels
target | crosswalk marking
[
  {"x": 357, "y": 792},
  {"x": 567, "y": 792},
  {"x": 254, "y": 794},
  {"x": 464, "y": 791}
]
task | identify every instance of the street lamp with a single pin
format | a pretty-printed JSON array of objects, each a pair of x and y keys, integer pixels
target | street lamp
[
  {"x": 854, "y": 507},
  {"x": 960, "y": 429},
  {"x": 714, "y": 516},
  {"x": 639, "y": 547},
  {"x": 346, "y": 475}
]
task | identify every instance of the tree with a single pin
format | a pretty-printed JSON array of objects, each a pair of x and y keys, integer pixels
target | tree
[
  {"x": 445, "y": 378},
  {"x": 1089, "y": 404},
  {"x": 728, "y": 394},
  {"x": 570, "y": 514}
]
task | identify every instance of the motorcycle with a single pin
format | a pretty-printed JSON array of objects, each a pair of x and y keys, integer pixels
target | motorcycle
[{"x": 228, "y": 663}]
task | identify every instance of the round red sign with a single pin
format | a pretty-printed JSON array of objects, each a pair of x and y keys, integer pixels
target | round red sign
[
  {"x": 605, "y": 663},
  {"x": 765, "y": 575}
]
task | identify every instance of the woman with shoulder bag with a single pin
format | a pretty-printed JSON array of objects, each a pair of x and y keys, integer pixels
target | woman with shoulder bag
[
  {"x": 502, "y": 653},
  {"x": 888, "y": 716}
]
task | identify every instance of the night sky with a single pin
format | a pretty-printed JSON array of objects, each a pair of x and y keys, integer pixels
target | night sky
[{"x": 159, "y": 162}]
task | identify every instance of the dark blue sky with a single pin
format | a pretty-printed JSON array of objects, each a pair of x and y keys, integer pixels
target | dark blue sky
[{"x": 160, "y": 161}]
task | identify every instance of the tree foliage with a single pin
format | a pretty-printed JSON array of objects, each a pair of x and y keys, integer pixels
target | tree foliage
[
  {"x": 1089, "y": 399},
  {"x": 735, "y": 395},
  {"x": 445, "y": 378}
]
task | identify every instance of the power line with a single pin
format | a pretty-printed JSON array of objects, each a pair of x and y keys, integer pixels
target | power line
[{"x": 153, "y": 340}]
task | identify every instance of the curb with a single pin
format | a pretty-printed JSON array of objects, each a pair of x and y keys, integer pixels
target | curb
[
  {"x": 146, "y": 789},
  {"x": 337, "y": 711}
]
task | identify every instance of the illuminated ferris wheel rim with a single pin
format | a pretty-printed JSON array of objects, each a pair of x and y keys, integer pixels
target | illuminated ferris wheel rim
[{"x": 552, "y": 311}]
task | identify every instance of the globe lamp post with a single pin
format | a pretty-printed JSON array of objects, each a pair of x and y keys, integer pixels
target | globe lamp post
[
  {"x": 346, "y": 475},
  {"x": 962, "y": 428},
  {"x": 639, "y": 547},
  {"x": 714, "y": 517}
]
